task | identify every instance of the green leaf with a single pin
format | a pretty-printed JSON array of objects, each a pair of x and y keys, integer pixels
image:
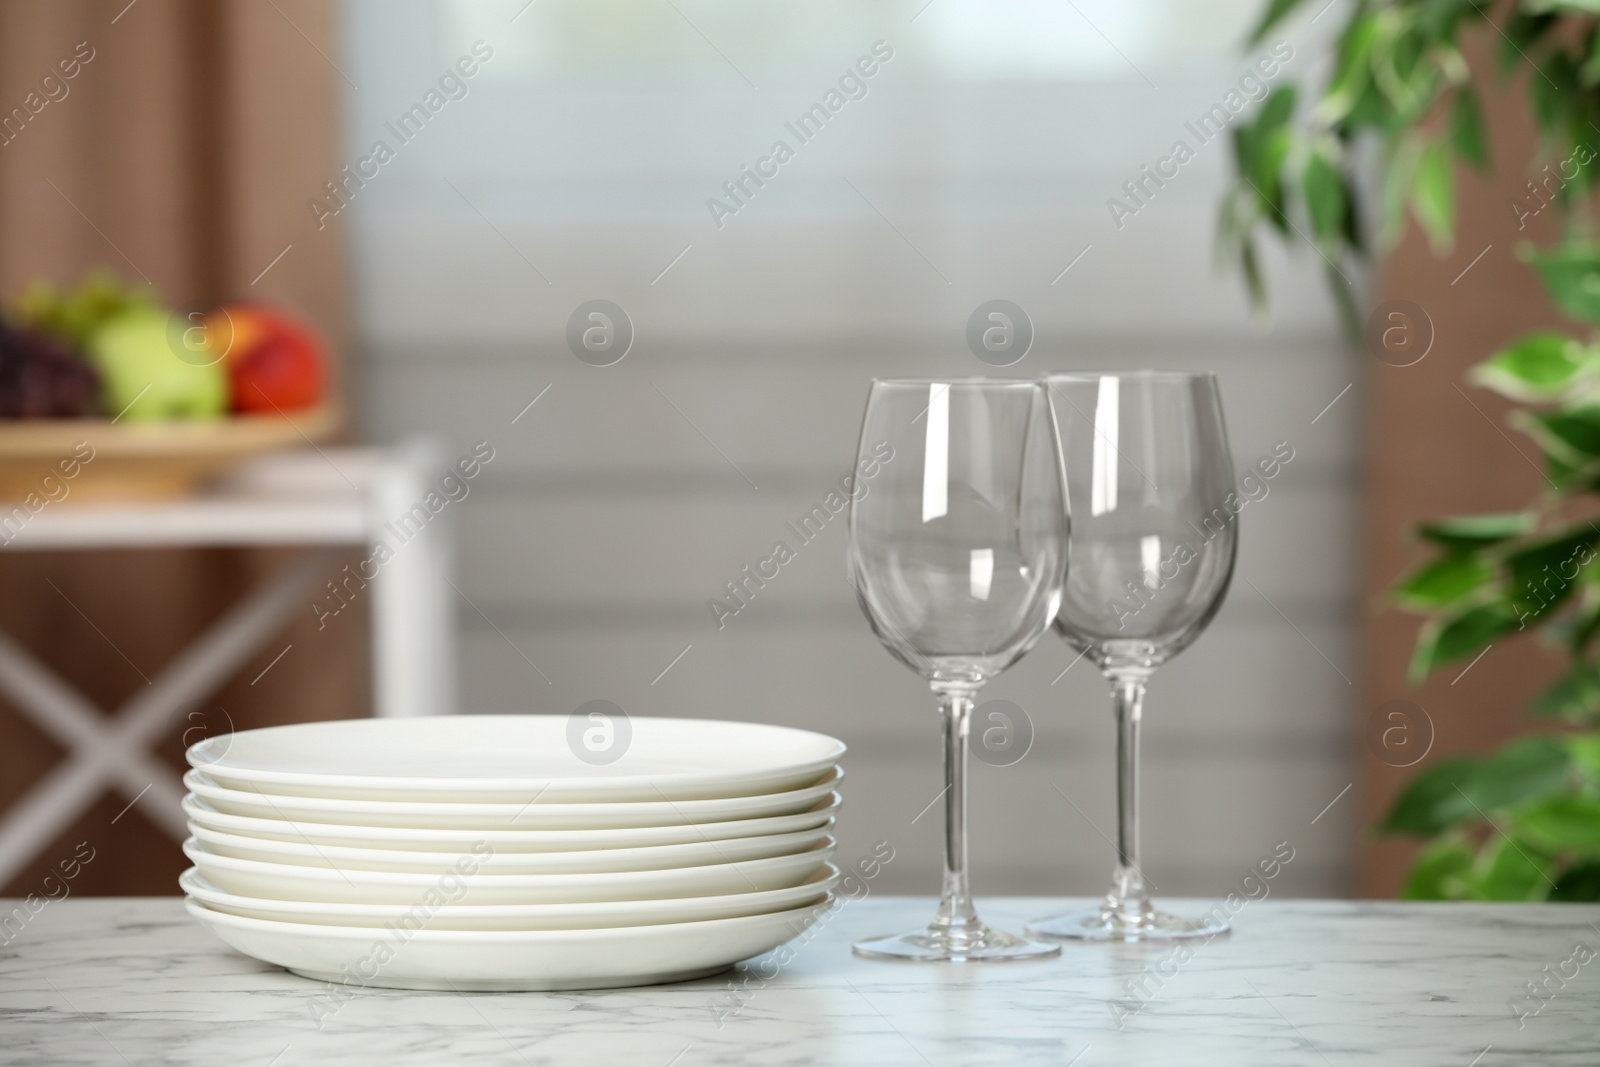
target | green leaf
[
  {"x": 1524, "y": 769},
  {"x": 1252, "y": 274},
  {"x": 1466, "y": 129},
  {"x": 1572, "y": 274},
  {"x": 1349, "y": 314},
  {"x": 1571, "y": 435},
  {"x": 1399, "y": 171},
  {"x": 1433, "y": 801},
  {"x": 1454, "y": 637},
  {"x": 1591, "y": 7},
  {"x": 1564, "y": 550},
  {"x": 1585, "y": 752},
  {"x": 1518, "y": 35},
  {"x": 1435, "y": 867},
  {"x": 1325, "y": 201},
  {"x": 1541, "y": 576},
  {"x": 1579, "y": 884},
  {"x": 1554, "y": 91},
  {"x": 1506, "y": 871},
  {"x": 1582, "y": 179},
  {"x": 1535, "y": 367},
  {"x": 1468, "y": 533},
  {"x": 1561, "y": 824},
  {"x": 1574, "y": 697},
  {"x": 1561, "y": 473},
  {"x": 1408, "y": 69},
  {"x": 1433, "y": 196},
  {"x": 1444, "y": 581},
  {"x": 1260, "y": 149},
  {"x": 1278, "y": 108},
  {"x": 1272, "y": 151},
  {"x": 1354, "y": 233},
  {"x": 1277, "y": 11},
  {"x": 1589, "y": 73},
  {"x": 1234, "y": 240},
  {"x": 1352, "y": 79},
  {"x": 1370, "y": 110},
  {"x": 1438, "y": 19},
  {"x": 1585, "y": 626}
]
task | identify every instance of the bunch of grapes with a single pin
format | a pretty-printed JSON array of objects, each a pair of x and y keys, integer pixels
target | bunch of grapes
[{"x": 40, "y": 378}]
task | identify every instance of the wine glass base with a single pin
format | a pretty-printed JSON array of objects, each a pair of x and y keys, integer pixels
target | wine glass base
[
  {"x": 1105, "y": 924},
  {"x": 955, "y": 945}
]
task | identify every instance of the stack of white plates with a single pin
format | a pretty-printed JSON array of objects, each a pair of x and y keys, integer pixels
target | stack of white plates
[{"x": 489, "y": 852}]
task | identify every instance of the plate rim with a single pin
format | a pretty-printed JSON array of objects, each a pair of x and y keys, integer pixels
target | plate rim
[
  {"x": 397, "y": 808},
  {"x": 580, "y": 935},
  {"x": 834, "y": 801},
  {"x": 823, "y": 850},
  {"x": 821, "y": 883},
  {"x": 195, "y": 831},
  {"x": 441, "y": 784}
]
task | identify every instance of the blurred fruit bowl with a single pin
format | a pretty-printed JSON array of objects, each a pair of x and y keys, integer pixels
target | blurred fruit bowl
[
  {"x": 142, "y": 460},
  {"x": 106, "y": 392}
]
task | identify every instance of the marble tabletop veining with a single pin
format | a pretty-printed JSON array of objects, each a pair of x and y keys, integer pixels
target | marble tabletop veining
[{"x": 1318, "y": 983}]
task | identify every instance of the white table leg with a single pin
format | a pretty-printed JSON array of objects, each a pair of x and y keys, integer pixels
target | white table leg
[
  {"x": 32, "y": 821},
  {"x": 413, "y": 638},
  {"x": 218, "y": 653},
  {"x": 62, "y": 712},
  {"x": 113, "y": 750}
]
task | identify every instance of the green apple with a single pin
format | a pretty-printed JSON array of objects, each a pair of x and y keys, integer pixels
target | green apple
[{"x": 144, "y": 376}]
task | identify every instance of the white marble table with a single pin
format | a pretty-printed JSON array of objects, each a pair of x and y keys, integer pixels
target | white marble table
[{"x": 135, "y": 981}]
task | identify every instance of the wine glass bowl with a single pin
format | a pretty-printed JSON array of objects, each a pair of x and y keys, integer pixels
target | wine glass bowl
[
  {"x": 954, "y": 581},
  {"x": 957, "y": 555},
  {"x": 1154, "y": 537}
]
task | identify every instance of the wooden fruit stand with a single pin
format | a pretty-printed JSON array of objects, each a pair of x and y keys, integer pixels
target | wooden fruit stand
[{"x": 145, "y": 460}]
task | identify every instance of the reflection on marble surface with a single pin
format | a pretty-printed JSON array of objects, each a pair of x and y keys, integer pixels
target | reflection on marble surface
[{"x": 1299, "y": 982}]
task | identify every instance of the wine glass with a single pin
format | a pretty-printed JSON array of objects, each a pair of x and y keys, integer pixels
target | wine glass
[
  {"x": 958, "y": 548},
  {"x": 1154, "y": 534}
]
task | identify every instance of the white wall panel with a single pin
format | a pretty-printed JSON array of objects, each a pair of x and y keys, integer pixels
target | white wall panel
[{"x": 977, "y": 167}]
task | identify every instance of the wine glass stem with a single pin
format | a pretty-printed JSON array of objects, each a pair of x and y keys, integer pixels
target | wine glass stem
[
  {"x": 1128, "y": 894},
  {"x": 955, "y": 903}
]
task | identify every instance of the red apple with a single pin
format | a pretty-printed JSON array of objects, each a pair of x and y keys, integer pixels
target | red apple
[{"x": 274, "y": 362}]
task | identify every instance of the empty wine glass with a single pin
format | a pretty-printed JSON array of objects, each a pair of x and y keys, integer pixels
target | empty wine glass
[
  {"x": 958, "y": 548},
  {"x": 1154, "y": 534}
]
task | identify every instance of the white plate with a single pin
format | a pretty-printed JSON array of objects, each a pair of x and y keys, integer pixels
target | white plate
[
  {"x": 591, "y": 861},
  {"x": 469, "y": 885},
  {"x": 514, "y": 916},
  {"x": 511, "y": 960},
  {"x": 514, "y": 758},
  {"x": 540, "y": 816},
  {"x": 504, "y": 841}
]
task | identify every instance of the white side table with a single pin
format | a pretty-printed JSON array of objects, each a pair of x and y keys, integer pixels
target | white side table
[{"x": 323, "y": 499}]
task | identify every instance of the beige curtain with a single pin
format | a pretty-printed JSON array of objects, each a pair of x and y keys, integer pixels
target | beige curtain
[{"x": 180, "y": 152}]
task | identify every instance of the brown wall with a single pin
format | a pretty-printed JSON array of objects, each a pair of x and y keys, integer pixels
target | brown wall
[
  {"x": 1440, "y": 446},
  {"x": 184, "y": 154}
]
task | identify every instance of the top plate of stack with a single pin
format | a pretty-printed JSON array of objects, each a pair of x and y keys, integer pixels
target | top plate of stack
[{"x": 516, "y": 759}]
